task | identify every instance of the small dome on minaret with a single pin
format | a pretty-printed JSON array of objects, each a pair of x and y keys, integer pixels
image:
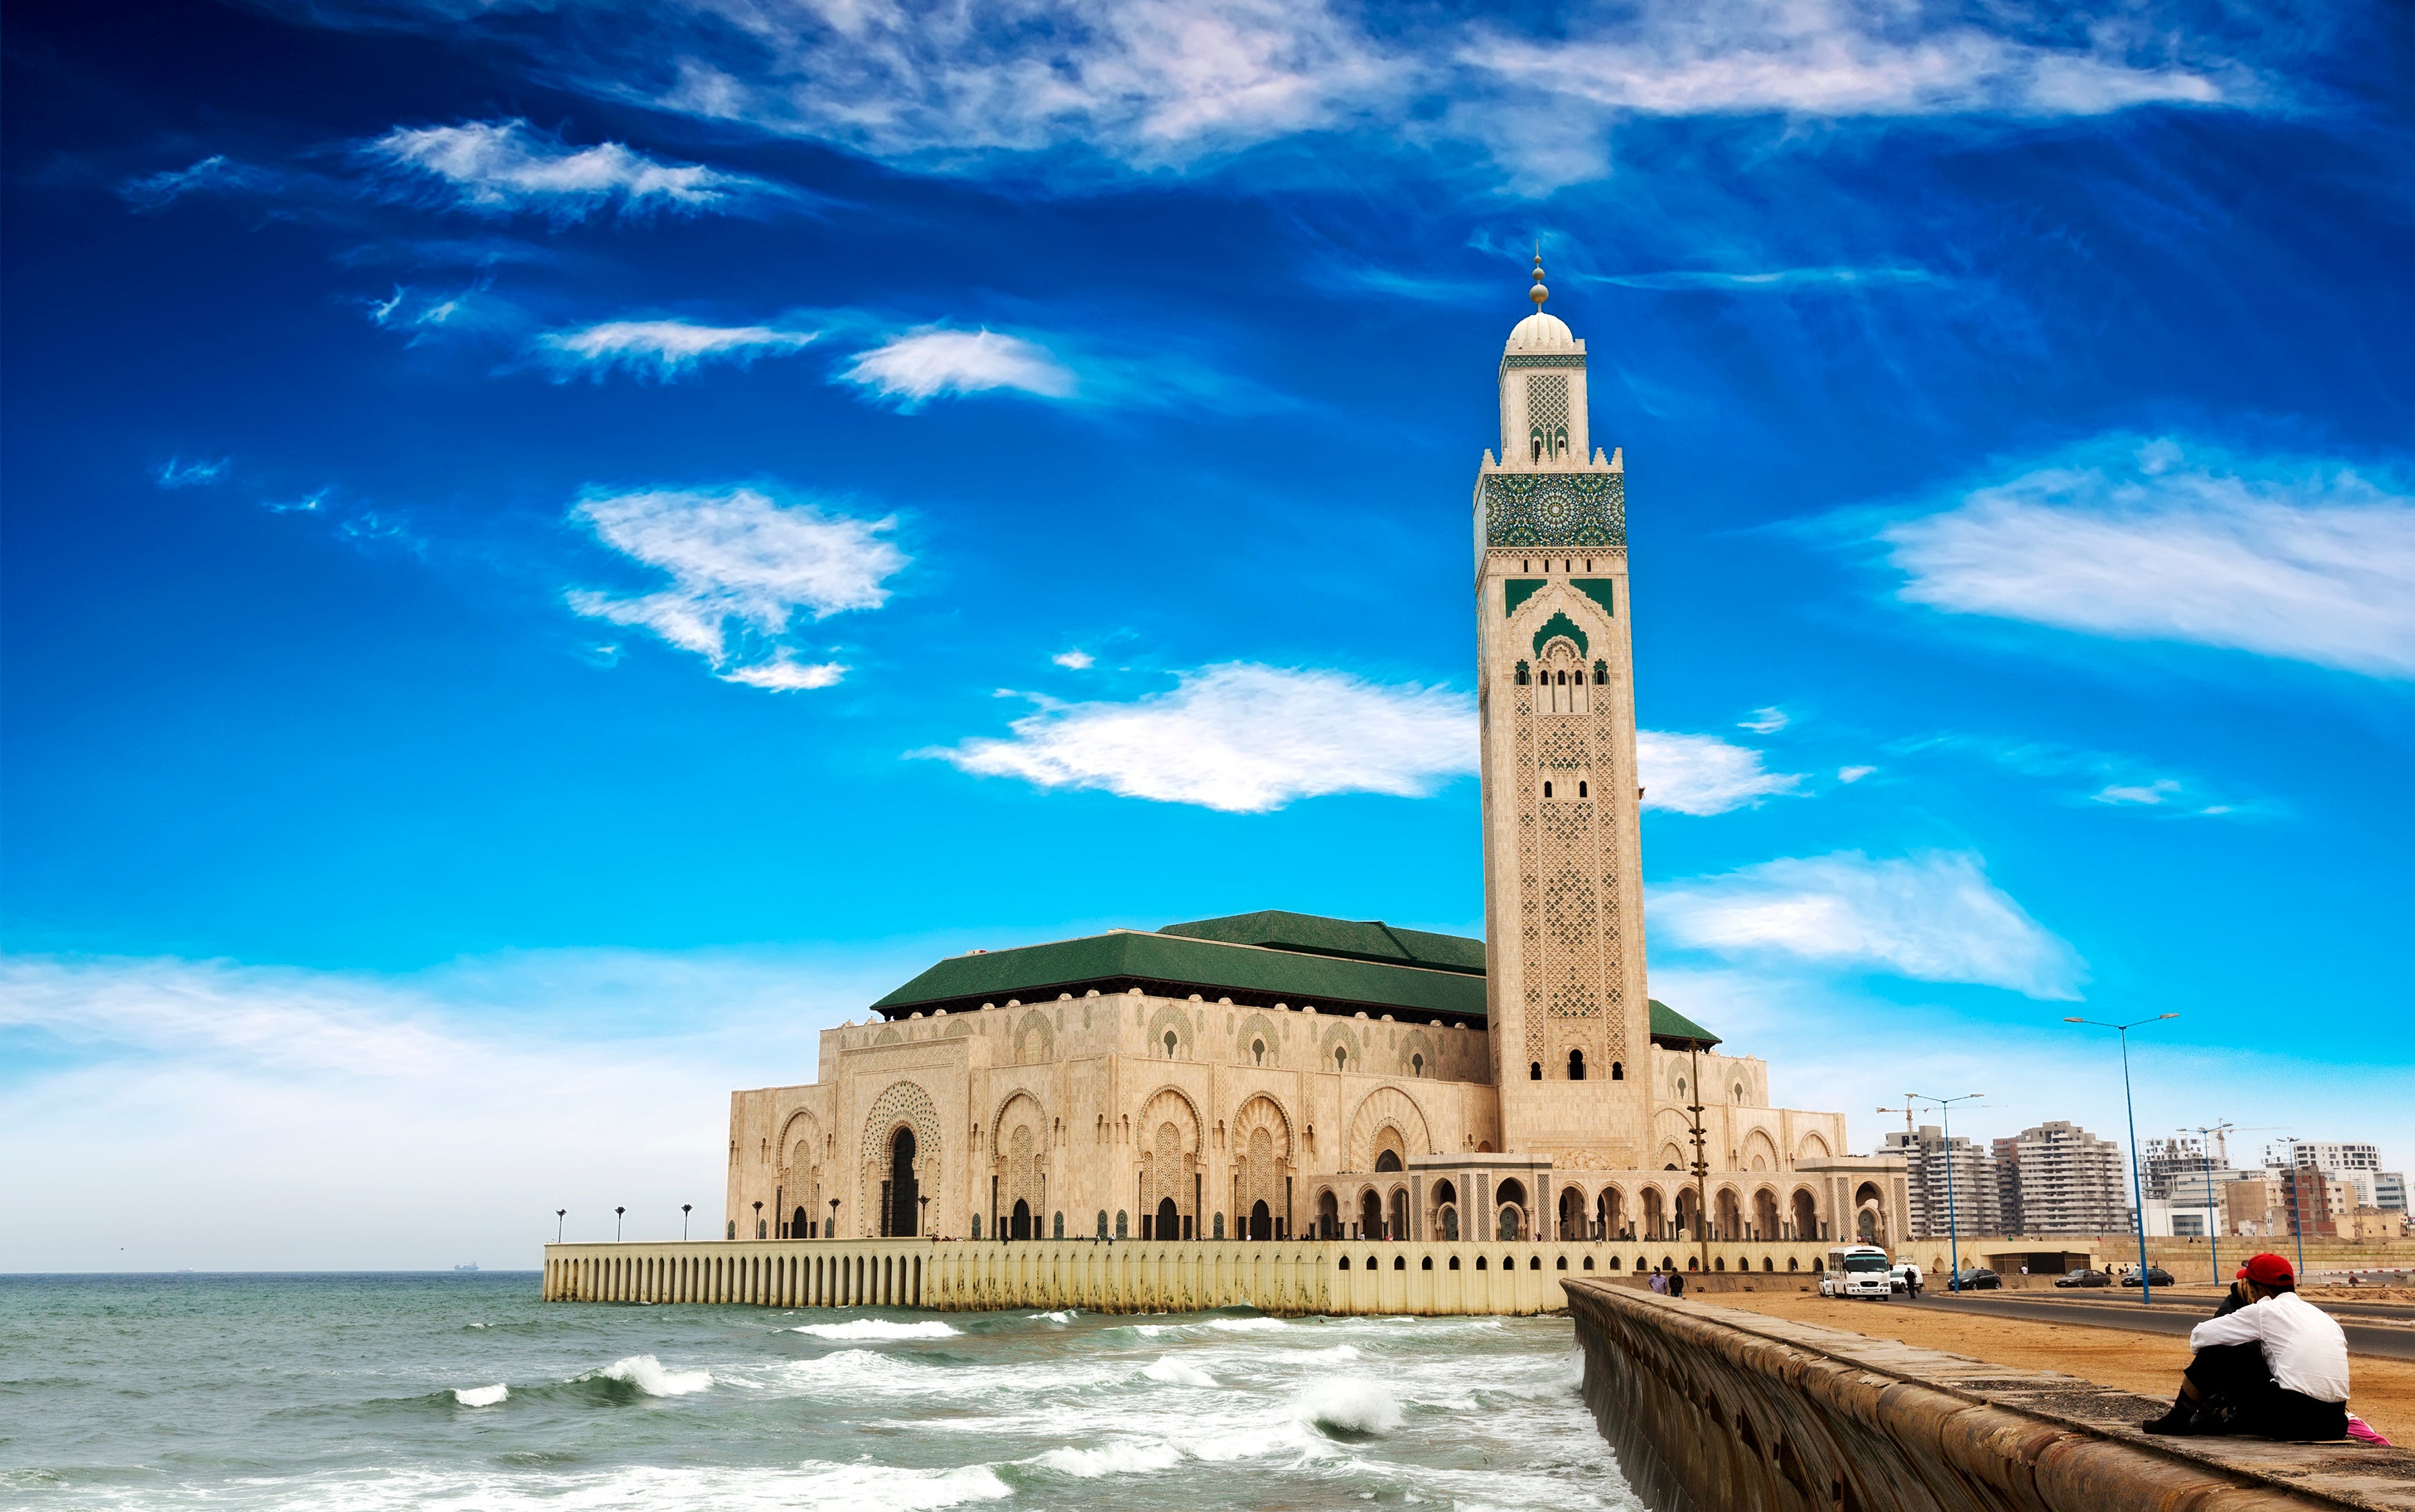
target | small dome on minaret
[{"x": 1540, "y": 331}]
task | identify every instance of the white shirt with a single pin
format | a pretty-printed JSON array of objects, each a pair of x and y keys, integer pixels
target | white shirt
[{"x": 2303, "y": 1347}]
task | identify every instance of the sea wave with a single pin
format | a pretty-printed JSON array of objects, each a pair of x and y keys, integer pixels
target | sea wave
[
  {"x": 878, "y": 1328},
  {"x": 1247, "y": 1325},
  {"x": 1349, "y": 1408},
  {"x": 480, "y": 1396},
  {"x": 648, "y": 1375},
  {"x": 1113, "y": 1459},
  {"x": 1174, "y": 1372}
]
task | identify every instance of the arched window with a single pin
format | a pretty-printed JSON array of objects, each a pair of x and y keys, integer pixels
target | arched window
[
  {"x": 1258, "y": 1051},
  {"x": 733, "y": 1228},
  {"x": 1576, "y": 1065},
  {"x": 1602, "y": 674},
  {"x": 1103, "y": 1222},
  {"x": 1170, "y": 1042},
  {"x": 1522, "y": 674},
  {"x": 1219, "y": 1225},
  {"x": 1580, "y": 790},
  {"x": 1547, "y": 789},
  {"x": 1535, "y": 1071},
  {"x": 1056, "y": 1227},
  {"x": 976, "y": 1225},
  {"x": 1388, "y": 1161},
  {"x": 1618, "y": 1070},
  {"x": 1417, "y": 1064},
  {"x": 1340, "y": 1056},
  {"x": 1121, "y": 1231},
  {"x": 1561, "y": 679}
]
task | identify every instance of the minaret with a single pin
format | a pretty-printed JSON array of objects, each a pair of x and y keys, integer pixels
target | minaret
[{"x": 1563, "y": 891}]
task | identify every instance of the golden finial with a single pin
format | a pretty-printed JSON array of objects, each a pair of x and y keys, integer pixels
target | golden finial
[{"x": 1539, "y": 293}]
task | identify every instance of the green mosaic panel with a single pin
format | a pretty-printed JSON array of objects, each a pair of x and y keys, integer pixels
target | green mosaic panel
[
  {"x": 1547, "y": 359},
  {"x": 1560, "y": 624},
  {"x": 1517, "y": 590},
  {"x": 1556, "y": 509},
  {"x": 1600, "y": 589}
]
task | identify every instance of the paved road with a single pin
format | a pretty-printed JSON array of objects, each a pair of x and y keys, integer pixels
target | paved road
[{"x": 2389, "y": 1343}]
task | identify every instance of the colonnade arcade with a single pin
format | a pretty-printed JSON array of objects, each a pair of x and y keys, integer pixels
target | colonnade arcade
[{"x": 1576, "y": 1208}]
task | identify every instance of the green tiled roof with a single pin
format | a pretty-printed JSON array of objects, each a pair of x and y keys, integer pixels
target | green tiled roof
[
  {"x": 1260, "y": 958},
  {"x": 1667, "y": 1023},
  {"x": 1356, "y": 940},
  {"x": 1171, "y": 962}
]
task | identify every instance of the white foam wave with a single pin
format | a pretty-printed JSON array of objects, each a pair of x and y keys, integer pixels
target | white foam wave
[
  {"x": 1338, "y": 1353},
  {"x": 878, "y": 1328},
  {"x": 1113, "y": 1459},
  {"x": 480, "y": 1396},
  {"x": 648, "y": 1375},
  {"x": 1175, "y": 1372},
  {"x": 1068, "y": 1315},
  {"x": 1349, "y": 1406},
  {"x": 1247, "y": 1325}
]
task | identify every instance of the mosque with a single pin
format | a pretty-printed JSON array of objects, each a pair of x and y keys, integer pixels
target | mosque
[{"x": 1273, "y": 1075}]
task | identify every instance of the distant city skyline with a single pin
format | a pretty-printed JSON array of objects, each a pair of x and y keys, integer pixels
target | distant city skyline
[{"x": 552, "y": 555}]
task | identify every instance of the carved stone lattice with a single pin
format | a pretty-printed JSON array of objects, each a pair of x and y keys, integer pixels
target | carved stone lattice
[
  {"x": 1547, "y": 409},
  {"x": 899, "y": 1102},
  {"x": 1530, "y": 909}
]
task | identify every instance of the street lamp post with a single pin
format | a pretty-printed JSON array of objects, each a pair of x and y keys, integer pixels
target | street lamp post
[
  {"x": 2205, "y": 1133},
  {"x": 1953, "y": 1244},
  {"x": 759, "y": 1220},
  {"x": 684, "y": 1209},
  {"x": 832, "y": 1231},
  {"x": 616, "y": 1224},
  {"x": 2137, "y": 1192},
  {"x": 558, "y": 1214},
  {"x": 923, "y": 1221},
  {"x": 1701, "y": 1165}
]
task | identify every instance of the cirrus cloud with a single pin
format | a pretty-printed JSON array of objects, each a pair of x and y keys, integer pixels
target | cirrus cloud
[
  {"x": 1933, "y": 916},
  {"x": 662, "y": 350},
  {"x": 2284, "y": 557},
  {"x": 743, "y": 566},
  {"x": 498, "y": 167},
  {"x": 910, "y": 369}
]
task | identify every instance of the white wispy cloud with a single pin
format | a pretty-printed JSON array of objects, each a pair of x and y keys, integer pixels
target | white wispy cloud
[
  {"x": 1765, "y": 721},
  {"x": 743, "y": 566},
  {"x": 1854, "y": 774},
  {"x": 1242, "y": 738},
  {"x": 915, "y": 368},
  {"x": 662, "y": 350},
  {"x": 433, "y": 1101},
  {"x": 1080, "y": 661},
  {"x": 1702, "y": 775},
  {"x": 176, "y": 472},
  {"x": 1771, "y": 279},
  {"x": 2085, "y": 776},
  {"x": 214, "y": 174},
  {"x": 1153, "y": 84},
  {"x": 1933, "y": 916},
  {"x": 2284, "y": 557},
  {"x": 508, "y": 165}
]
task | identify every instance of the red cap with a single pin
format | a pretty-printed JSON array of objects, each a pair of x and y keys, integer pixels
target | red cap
[{"x": 2268, "y": 1270}]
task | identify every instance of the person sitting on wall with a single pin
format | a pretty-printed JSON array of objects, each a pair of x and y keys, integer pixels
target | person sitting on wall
[{"x": 2269, "y": 1364}]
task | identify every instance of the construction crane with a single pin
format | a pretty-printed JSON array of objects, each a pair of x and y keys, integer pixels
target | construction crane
[{"x": 2212, "y": 1137}]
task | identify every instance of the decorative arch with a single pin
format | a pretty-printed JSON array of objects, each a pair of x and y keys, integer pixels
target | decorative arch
[
  {"x": 1804, "y": 1209},
  {"x": 1257, "y": 1031},
  {"x": 1812, "y": 1148},
  {"x": 1387, "y": 1107},
  {"x": 1169, "y": 1139},
  {"x": 900, "y": 1105},
  {"x": 800, "y": 1141},
  {"x": 1020, "y": 1108},
  {"x": 1338, "y": 1037},
  {"x": 1760, "y": 1152},
  {"x": 888, "y": 1036},
  {"x": 1035, "y": 1040},
  {"x": 1171, "y": 1019}
]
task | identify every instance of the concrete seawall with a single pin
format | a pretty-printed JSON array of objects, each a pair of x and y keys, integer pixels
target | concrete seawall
[
  {"x": 1505, "y": 1278},
  {"x": 1712, "y": 1410}
]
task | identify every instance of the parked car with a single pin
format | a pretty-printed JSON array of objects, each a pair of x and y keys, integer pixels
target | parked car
[
  {"x": 1977, "y": 1279},
  {"x": 2156, "y": 1275},
  {"x": 2086, "y": 1278}
]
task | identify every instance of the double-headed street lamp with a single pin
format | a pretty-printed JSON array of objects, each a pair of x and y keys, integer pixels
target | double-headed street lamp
[
  {"x": 1953, "y": 1245},
  {"x": 2137, "y": 1192}
]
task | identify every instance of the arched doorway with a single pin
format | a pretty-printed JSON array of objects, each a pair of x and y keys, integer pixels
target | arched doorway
[
  {"x": 1510, "y": 1226},
  {"x": 1607, "y": 1218},
  {"x": 1806, "y": 1216},
  {"x": 903, "y": 1207},
  {"x": 1869, "y": 1214},
  {"x": 1371, "y": 1216},
  {"x": 1388, "y": 1161},
  {"x": 1328, "y": 1216},
  {"x": 1169, "y": 1220},
  {"x": 1690, "y": 1211},
  {"x": 1765, "y": 1214},
  {"x": 1656, "y": 1214},
  {"x": 797, "y": 1225},
  {"x": 1018, "y": 1223},
  {"x": 1730, "y": 1225},
  {"x": 1572, "y": 1213},
  {"x": 1398, "y": 1217},
  {"x": 1262, "y": 1222}
]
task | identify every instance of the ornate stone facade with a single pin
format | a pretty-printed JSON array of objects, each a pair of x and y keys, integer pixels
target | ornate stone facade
[{"x": 1271, "y": 1076}]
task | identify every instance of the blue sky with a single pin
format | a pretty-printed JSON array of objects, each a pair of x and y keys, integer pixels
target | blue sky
[{"x": 551, "y": 553}]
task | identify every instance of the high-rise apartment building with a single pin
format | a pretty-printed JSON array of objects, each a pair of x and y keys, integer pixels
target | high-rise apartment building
[
  {"x": 1951, "y": 1184},
  {"x": 2059, "y": 1178},
  {"x": 2359, "y": 1165}
]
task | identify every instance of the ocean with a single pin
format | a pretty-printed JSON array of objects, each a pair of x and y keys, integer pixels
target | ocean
[{"x": 366, "y": 1392}]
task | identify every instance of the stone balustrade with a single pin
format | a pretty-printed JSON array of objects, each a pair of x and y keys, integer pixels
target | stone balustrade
[{"x": 1294, "y": 1276}]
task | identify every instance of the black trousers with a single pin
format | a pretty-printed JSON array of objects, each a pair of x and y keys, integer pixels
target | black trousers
[{"x": 2238, "y": 1394}]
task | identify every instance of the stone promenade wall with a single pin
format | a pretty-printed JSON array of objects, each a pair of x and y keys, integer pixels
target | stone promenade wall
[{"x": 1713, "y": 1410}]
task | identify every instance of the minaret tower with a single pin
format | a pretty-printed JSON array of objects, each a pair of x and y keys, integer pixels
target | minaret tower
[{"x": 1563, "y": 891}]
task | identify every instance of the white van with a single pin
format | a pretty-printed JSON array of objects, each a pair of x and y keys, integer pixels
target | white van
[{"x": 1857, "y": 1270}]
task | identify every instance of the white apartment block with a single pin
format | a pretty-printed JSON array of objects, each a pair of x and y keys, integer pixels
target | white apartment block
[
  {"x": 2059, "y": 1178},
  {"x": 1971, "y": 1205}
]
